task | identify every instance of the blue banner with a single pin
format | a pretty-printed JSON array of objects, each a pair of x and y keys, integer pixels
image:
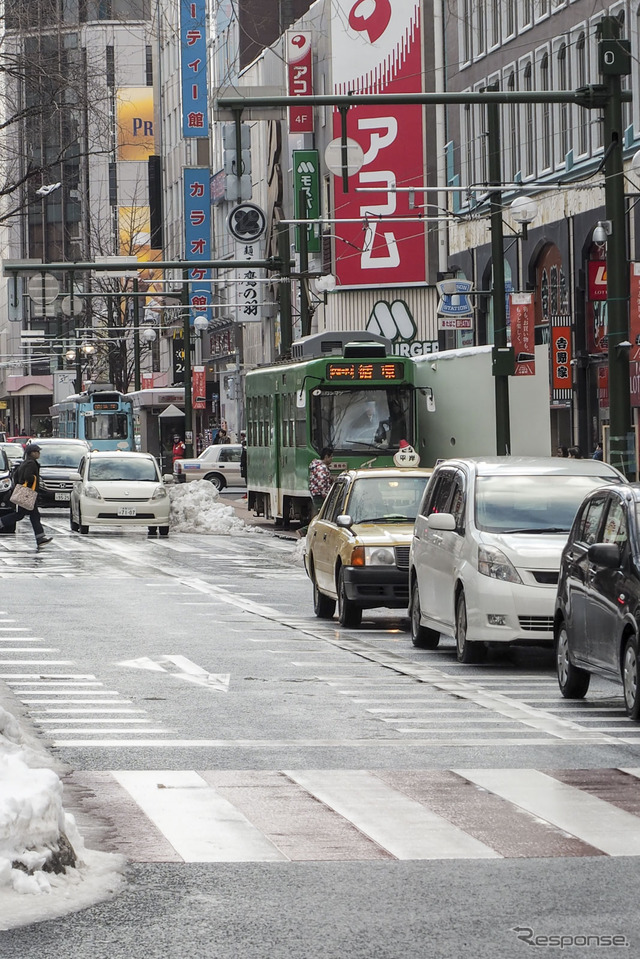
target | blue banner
[
  {"x": 197, "y": 235},
  {"x": 193, "y": 67}
]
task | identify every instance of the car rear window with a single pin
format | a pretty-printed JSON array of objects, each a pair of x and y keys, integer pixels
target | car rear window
[
  {"x": 123, "y": 470},
  {"x": 64, "y": 455},
  {"x": 531, "y": 504}
]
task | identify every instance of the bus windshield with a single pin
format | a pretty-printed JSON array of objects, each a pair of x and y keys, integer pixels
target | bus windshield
[
  {"x": 106, "y": 426},
  {"x": 357, "y": 420}
]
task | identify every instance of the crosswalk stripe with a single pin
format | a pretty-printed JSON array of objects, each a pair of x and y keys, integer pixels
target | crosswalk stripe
[
  {"x": 353, "y": 815},
  {"x": 407, "y": 829},
  {"x": 175, "y": 801},
  {"x": 614, "y": 831}
]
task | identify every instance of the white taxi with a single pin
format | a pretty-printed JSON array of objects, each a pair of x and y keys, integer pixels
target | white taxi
[{"x": 116, "y": 488}]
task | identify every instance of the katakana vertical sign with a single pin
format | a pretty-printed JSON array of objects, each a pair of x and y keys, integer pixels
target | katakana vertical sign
[
  {"x": 299, "y": 82},
  {"x": 522, "y": 333},
  {"x": 193, "y": 68},
  {"x": 197, "y": 230},
  {"x": 306, "y": 195},
  {"x": 561, "y": 379}
]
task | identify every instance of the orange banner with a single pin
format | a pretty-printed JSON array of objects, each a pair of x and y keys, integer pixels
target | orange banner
[{"x": 198, "y": 388}]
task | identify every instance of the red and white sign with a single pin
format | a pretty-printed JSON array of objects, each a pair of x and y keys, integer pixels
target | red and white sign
[
  {"x": 299, "y": 82},
  {"x": 603, "y": 387},
  {"x": 561, "y": 375},
  {"x": 376, "y": 48},
  {"x": 198, "y": 388},
  {"x": 522, "y": 333},
  {"x": 597, "y": 279},
  {"x": 147, "y": 381}
]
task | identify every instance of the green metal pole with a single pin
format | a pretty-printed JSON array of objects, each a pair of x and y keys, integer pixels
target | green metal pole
[
  {"x": 284, "y": 254},
  {"x": 503, "y": 426},
  {"x": 620, "y": 438},
  {"x": 186, "y": 337},
  {"x": 303, "y": 236}
]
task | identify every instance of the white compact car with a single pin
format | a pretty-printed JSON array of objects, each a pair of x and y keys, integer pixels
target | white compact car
[
  {"x": 117, "y": 488},
  {"x": 486, "y": 547}
]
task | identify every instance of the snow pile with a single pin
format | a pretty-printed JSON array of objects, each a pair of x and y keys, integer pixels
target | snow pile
[
  {"x": 196, "y": 508},
  {"x": 45, "y": 870},
  {"x": 297, "y": 557}
]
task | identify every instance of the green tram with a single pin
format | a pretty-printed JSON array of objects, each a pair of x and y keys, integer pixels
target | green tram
[{"x": 346, "y": 391}]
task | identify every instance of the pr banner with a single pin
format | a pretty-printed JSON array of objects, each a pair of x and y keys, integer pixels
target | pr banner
[{"x": 523, "y": 333}]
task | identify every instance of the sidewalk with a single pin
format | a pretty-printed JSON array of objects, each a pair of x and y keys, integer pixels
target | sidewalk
[{"x": 248, "y": 516}]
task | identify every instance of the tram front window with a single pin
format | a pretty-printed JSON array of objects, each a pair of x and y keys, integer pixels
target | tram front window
[
  {"x": 352, "y": 421},
  {"x": 106, "y": 426}
]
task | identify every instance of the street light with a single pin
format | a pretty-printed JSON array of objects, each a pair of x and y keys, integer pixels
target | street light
[{"x": 524, "y": 210}]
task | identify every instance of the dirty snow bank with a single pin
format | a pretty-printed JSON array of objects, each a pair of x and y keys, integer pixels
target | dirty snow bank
[
  {"x": 196, "y": 508},
  {"x": 45, "y": 869}
]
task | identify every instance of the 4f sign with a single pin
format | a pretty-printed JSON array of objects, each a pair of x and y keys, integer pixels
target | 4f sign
[{"x": 597, "y": 280}]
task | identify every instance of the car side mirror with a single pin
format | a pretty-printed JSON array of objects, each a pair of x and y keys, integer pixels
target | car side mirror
[
  {"x": 344, "y": 521},
  {"x": 441, "y": 521},
  {"x": 605, "y": 554},
  {"x": 75, "y": 478}
]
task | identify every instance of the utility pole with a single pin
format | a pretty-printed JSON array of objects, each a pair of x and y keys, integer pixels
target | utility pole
[
  {"x": 186, "y": 337},
  {"x": 615, "y": 62}
]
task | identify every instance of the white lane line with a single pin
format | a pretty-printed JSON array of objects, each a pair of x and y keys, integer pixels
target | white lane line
[
  {"x": 258, "y": 745},
  {"x": 101, "y": 702},
  {"x": 200, "y": 825},
  {"x": 14, "y": 629},
  {"x": 65, "y": 683},
  {"x": 614, "y": 831},
  {"x": 450, "y": 723},
  {"x": 421, "y": 712},
  {"x": 22, "y": 639},
  {"x": 69, "y": 721},
  {"x": 72, "y": 710},
  {"x": 63, "y": 731},
  {"x": 402, "y": 826},
  {"x": 65, "y": 692}
]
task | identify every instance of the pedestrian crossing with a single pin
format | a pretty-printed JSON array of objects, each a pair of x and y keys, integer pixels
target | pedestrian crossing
[{"x": 311, "y": 815}]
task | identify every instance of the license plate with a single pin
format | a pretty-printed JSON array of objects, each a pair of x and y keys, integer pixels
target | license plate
[
  {"x": 127, "y": 511},
  {"x": 63, "y": 496}
]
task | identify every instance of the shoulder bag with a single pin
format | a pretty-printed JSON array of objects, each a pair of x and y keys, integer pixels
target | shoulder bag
[{"x": 24, "y": 496}]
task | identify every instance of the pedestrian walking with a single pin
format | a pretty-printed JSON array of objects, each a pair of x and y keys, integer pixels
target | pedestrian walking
[
  {"x": 320, "y": 479},
  {"x": 598, "y": 453},
  {"x": 28, "y": 475}
]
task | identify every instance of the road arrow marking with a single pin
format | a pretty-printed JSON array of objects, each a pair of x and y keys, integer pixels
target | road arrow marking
[{"x": 181, "y": 668}]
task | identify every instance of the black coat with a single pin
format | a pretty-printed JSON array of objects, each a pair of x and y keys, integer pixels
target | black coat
[{"x": 29, "y": 470}]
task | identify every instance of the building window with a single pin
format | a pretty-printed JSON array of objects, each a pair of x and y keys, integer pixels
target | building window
[
  {"x": 467, "y": 32},
  {"x": 111, "y": 66},
  {"x": 513, "y": 130},
  {"x": 468, "y": 137},
  {"x": 527, "y": 12},
  {"x": 510, "y": 25},
  {"x": 563, "y": 79},
  {"x": 545, "y": 111},
  {"x": 149, "y": 65},
  {"x": 581, "y": 78},
  {"x": 529, "y": 131}
]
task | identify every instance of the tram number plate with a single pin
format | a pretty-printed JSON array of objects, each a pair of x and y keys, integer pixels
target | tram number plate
[
  {"x": 127, "y": 511},
  {"x": 65, "y": 497}
]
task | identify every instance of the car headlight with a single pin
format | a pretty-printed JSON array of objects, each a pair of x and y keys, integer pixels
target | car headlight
[
  {"x": 493, "y": 563},
  {"x": 91, "y": 492},
  {"x": 159, "y": 493},
  {"x": 379, "y": 556},
  {"x": 5, "y": 484}
]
